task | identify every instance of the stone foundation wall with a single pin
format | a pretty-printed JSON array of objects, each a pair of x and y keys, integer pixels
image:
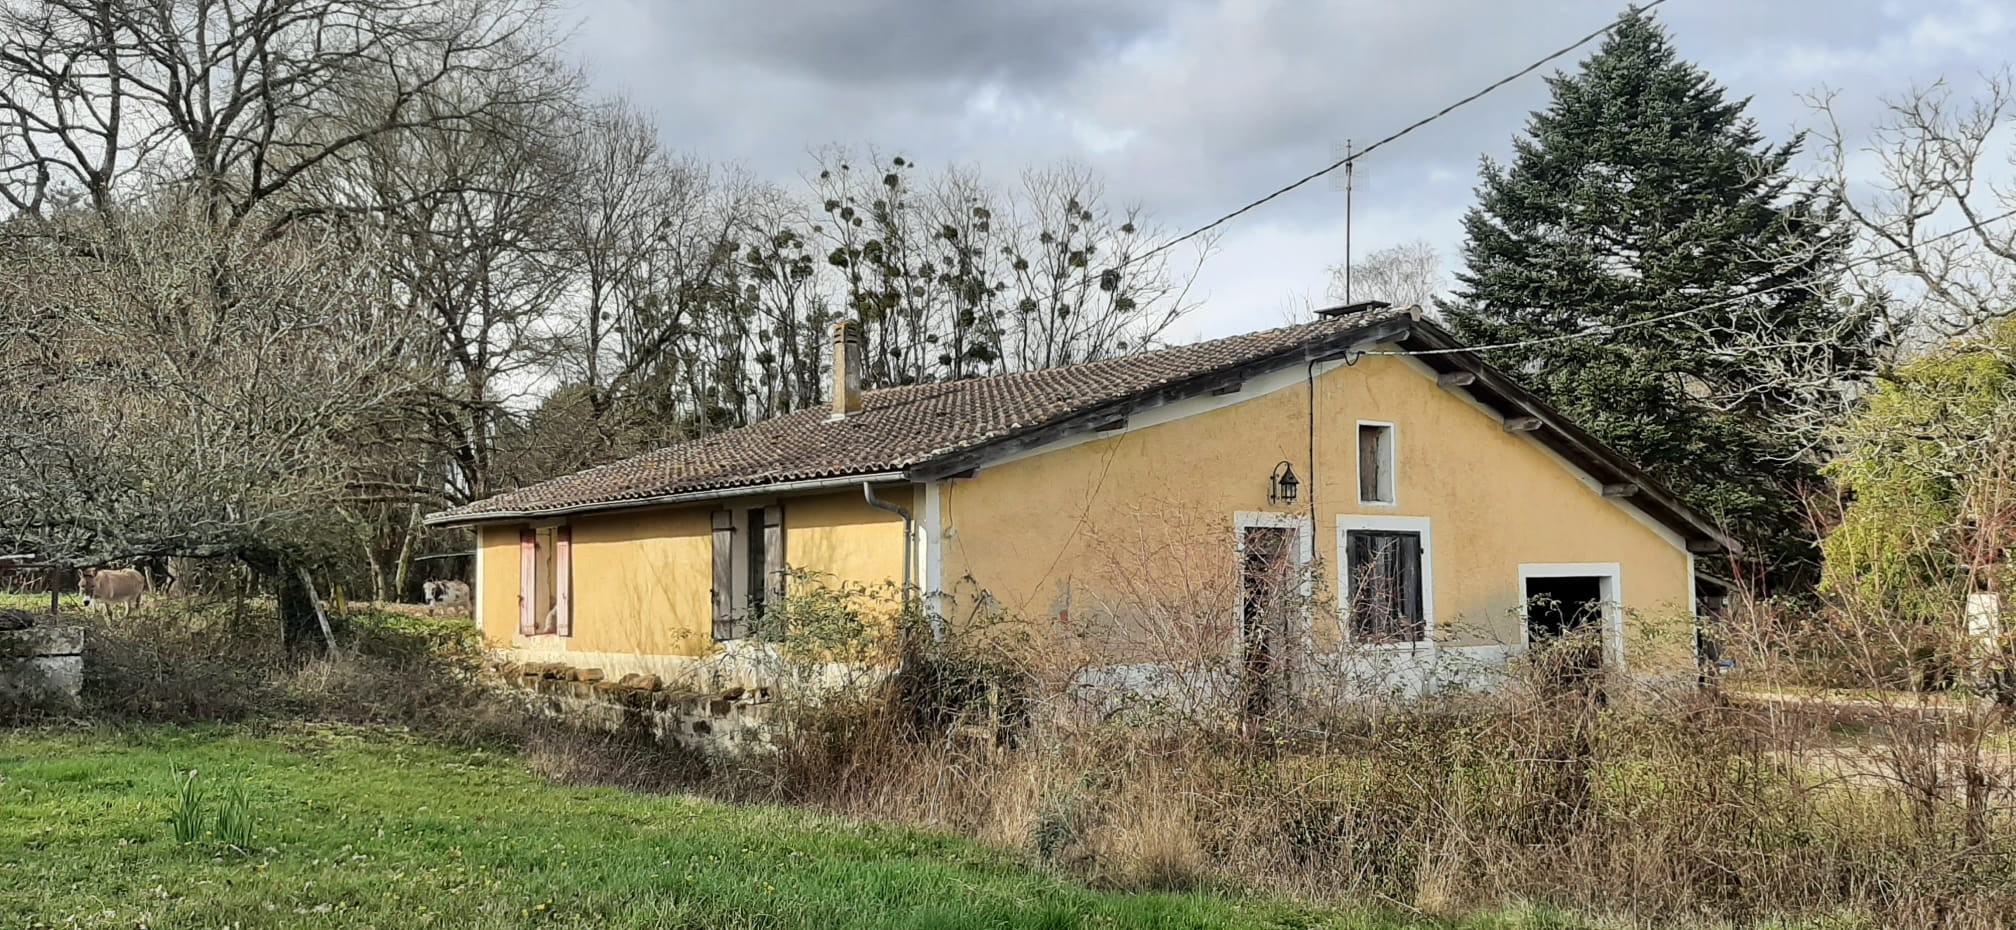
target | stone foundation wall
[
  {"x": 731, "y": 720},
  {"x": 746, "y": 664}
]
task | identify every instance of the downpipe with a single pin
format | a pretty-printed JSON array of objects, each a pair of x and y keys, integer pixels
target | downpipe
[{"x": 909, "y": 547}]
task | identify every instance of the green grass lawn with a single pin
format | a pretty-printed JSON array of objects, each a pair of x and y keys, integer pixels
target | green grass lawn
[
  {"x": 363, "y": 829},
  {"x": 38, "y": 602}
]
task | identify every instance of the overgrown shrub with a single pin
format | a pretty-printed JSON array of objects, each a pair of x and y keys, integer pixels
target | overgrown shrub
[
  {"x": 1652, "y": 806},
  {"x": 182, "y": 660}
]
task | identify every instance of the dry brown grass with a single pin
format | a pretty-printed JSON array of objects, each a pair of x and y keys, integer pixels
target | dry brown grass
[
  {"x": 1646, "y": 809},
  {"x": 1648, "y": 806},
  {"x": 631, "y": 761}
]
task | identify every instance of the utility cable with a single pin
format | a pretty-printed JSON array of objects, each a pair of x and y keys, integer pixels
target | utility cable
[{"x": 1403, "y": 132}]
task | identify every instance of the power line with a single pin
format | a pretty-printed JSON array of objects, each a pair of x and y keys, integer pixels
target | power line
[
  {"x": 1611, "y": 328},
  {"x": 1417, "y": 124}
]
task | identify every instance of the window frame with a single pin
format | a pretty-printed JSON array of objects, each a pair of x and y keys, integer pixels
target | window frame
[
  {"x": 1389, "y": 463},
  {"x": 1382, "y": 523},
  {"x": 750, "y": 587}
]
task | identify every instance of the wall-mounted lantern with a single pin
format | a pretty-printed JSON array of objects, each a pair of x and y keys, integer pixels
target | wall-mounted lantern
[{"x": 1282, "y": 484}]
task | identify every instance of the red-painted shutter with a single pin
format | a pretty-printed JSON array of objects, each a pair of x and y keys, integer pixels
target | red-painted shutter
[
  {"x": 563, "y": 580},
  {"x": 528, "y": 581}
]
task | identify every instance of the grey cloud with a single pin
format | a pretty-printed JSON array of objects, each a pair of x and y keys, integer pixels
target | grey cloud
[
  {"x": 1029, "y": 43},
  {"x": 1194, "y": 106}
]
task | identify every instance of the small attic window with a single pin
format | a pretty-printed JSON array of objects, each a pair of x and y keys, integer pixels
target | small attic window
[{"x": 1375, "y": 463}]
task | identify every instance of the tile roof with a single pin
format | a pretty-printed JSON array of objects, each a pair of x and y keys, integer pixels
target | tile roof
[{"x": 901, "y": 427}]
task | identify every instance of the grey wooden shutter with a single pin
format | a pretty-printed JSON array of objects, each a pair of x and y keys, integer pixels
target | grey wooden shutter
[
  {"x": 724, "y": 575},
  {"x": 1409, "y": 545},
  {"x": 773, "y": 555}
]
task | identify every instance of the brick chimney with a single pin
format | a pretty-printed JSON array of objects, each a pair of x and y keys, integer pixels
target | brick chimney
[{"x": 846, "y": 368}]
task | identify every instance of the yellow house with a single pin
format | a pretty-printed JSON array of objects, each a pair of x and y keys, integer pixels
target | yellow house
[{"x": 1361, "y": 484}]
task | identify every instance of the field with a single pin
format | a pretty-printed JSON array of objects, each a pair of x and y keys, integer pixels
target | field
[{"x": 358, "y": 828}]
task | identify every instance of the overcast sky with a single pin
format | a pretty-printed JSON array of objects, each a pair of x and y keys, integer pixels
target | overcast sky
[{"x": 1193, "y": 107}]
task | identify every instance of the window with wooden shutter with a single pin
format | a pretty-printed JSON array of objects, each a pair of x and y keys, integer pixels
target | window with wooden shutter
[
  {"x": 725, "y": 627},
  {"x": 545, "y": 580},
  {"x": 1383, "y": 572}
]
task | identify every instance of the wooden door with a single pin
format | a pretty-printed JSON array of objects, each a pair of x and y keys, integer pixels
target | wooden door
[{"x": 1267, "y": 601}]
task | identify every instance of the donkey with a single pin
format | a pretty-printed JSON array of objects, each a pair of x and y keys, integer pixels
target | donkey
[{"x": 103, "y": 588}]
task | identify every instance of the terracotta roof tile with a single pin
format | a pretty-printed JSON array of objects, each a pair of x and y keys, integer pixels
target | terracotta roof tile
[{"x": 897, "y": 428}]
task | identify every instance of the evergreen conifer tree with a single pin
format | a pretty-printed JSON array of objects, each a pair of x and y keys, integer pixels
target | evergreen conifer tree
[{"x": 1641, "y": 191}]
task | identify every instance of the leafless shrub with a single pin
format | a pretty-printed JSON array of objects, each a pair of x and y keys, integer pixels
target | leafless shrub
[
  {"x": 185, "y": 660},
  {"x": 628, "y": 760},
  {"x": 1652, "y": 806}
]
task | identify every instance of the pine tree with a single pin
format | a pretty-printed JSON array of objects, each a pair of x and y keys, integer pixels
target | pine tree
[{"x": 1641, "y": 191}]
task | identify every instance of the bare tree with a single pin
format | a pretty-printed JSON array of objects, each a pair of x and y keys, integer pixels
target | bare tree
[
  {"x": 234, "y": 101},
  {"x": 952, "y": 278},
  {"x": 1090, "y": 288},
  {"x": 471, "y": 217},
  {"x": 150, "y": 423},
  {"x": 628, "y": 196},
  {"x": 1938, "y": 253},
  {"x": 1405, "y": 275},
  {"x": 276, "y": 123},
  {"x": 795, "y": 302}
]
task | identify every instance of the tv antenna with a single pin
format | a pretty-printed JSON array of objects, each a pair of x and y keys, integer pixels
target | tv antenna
[{"x": 1346, "y": 179}]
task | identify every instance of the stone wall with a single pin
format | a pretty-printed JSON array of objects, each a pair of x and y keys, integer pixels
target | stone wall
[
  {"x": 731, "y": 720},
  {"x": 41, "y": 665},
  {"x": 748, "y": 664}
]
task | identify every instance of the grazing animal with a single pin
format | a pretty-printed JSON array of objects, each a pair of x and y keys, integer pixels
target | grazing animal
[
  {"x": 453, "y": 595},
  {"x": 103, "y": 588}
]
